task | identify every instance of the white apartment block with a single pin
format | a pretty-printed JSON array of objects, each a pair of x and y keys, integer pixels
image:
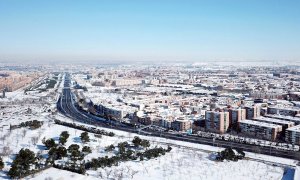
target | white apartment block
[{"x": 260, "y": 129}]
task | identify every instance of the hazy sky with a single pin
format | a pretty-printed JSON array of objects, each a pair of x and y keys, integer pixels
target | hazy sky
[{"x": 43, "y": 30}]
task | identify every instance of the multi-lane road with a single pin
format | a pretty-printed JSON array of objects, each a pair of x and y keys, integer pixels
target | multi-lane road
[{"x": 68, "y": 107}]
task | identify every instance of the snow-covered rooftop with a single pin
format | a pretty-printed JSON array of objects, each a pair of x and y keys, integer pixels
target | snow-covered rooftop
[{"x": 257, "y": 123}]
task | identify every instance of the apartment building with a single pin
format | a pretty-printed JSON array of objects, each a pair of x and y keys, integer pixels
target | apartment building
[
  {"x": 266, "y": 95},
  {"x": 260, "y": 129},
  {"x": 283, "y": 123},
  {"x": 181, "y": 124},
  {"x": 217, "y": 121},
  {"x": 126, "y": 82},
  {"x": 286, "y": 111},
  {"x": 114, "y": 112},
  {"x": 145, "y": 119},
  {"x": 236, "y": 115},
  {"x": 166, "y": 123},
  {"x": 296, "y": 120},
  {"x": 252, "y": 111},
  {"x": 292, "y": 135}
]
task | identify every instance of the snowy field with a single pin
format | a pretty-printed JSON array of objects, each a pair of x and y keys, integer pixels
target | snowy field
[
  {"x": 59, "y": 175},
  {"x": 185, "y": 161}
]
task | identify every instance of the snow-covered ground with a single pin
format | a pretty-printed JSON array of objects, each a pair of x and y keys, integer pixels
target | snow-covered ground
[
  {"x": 59, "y": 175},
  {"x": 297, "y": 173},
  {"x": 185, "y": 161}
]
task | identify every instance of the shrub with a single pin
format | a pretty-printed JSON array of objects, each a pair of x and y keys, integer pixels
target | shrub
[
  {"x": 73, "y": 147},
  {"x": 124, "y": 154},
  {"x": 122, "y": 147},
  {"x": 1, "y": 163},
  {"x": 49, "y": 143},
  {"x": 31, "y": 124},
  {"x": 169, "y": 149},
  {"x": 57, "y": 152},
  {"x": 140, "y": 142},
  {"x": 229, "y": 154},
  {"x": 111, "y": 134},
  {"x": 76, "y": 169},
  {"x": 136, "y": 141},
  {"x": 22, "y": 163},
  {"x": 63, "y": 137},
  {"x": 86, "y": 149},
  {"x": 110, "y": 147},
  {"x": 85, "y": 137},
  {"x": 74, "y": 152},
  {"x": 145, "y": 143}
]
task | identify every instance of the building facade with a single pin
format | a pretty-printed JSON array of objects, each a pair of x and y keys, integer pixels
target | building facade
[
  {"x": 217, "y": 121},
  {"x": 292, "y": 135},
  {"x": 236, "y": 115},
  {"x": 252, "y": 112},
  {"x": 182, "y": 125},
  {"x": 260, "y": 129},
  {"x": 283, "y": 111}
]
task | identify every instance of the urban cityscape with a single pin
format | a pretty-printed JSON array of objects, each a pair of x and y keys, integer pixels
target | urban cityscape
[
  {"x": 194, "y": 108},
  {"x": 160, "y": 90}
]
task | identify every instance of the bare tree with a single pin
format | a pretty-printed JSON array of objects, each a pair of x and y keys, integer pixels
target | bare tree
[
  {"x": 24, "y": 131},
  {"x": 146, "y": 170},
  {"x": 118, "y": 174},
  {"x": 6, "y": 151},
  {"x": 2, "y": 139},
  {"x": 179, "y": 162},
  {"x": 40, "y": 133},
  {"x": 34, "y": 140},
  {"x": 100, "y": 175},
  {"x": 108, "y": 172},
  {"x": 133, "y": 172}
]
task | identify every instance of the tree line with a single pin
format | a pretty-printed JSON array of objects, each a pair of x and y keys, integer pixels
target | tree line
[
  {"x": 84, "y": 128},
  {"x": 34, "y": 124}
]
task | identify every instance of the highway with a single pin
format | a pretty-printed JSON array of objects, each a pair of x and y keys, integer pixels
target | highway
[{"x": 67, "y": 106}]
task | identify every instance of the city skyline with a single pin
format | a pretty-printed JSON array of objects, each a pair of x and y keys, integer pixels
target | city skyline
[{"x": 194, "y": 31}]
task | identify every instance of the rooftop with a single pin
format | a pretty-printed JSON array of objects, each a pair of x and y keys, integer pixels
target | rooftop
[
  {"x": 289, "y": 118},
  {"x": 273, "y": 120},
  {"x": 290, "y": 108},
  {"x": 294, "y": 128},
  {"x": 258, "y": 123}
]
